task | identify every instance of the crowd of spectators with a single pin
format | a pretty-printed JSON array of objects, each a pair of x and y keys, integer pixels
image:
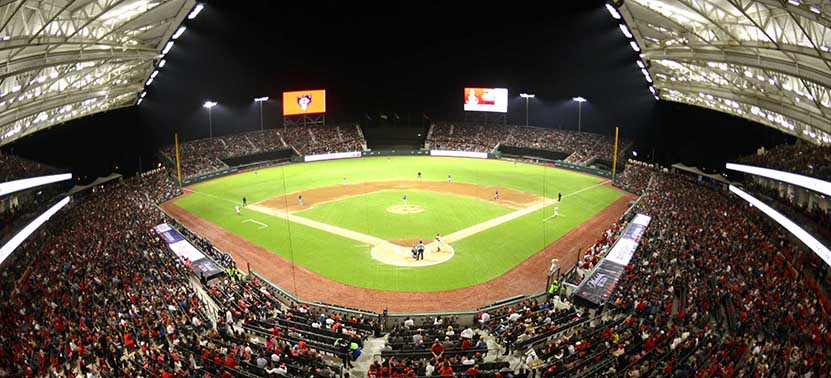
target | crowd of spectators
[
  {"x": 13, "y": 167},
  {"x": 582, "y": 147},
  {"x": 206, "y": 155},
  {"x": 434, "y": 346},
  {"x": 97, "y": 293},
  {"x": 635, "y": 177},
  {"x": 801, "y": 158},
  {"x": 714, "y": 290}
]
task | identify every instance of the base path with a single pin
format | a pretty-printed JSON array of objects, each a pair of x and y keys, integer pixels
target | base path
[{"x": 526, "y": 278}]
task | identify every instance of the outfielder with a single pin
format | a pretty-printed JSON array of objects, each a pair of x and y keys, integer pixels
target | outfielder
[
  {"x": 344, "y": 180},
  {"x": 448, "y": 179},
  {"x": 405, "y": 200}
]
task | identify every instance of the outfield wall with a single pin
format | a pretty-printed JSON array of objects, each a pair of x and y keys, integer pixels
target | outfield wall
[{"x": 404, "y": 152}]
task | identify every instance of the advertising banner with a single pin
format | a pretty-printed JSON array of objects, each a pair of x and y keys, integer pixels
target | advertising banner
[
  {"x": 596, "y": 288},
  {"x": 190, "y": 256},
  {"x": 332, "y": 156},
  {"x": 477, "y": 155}
]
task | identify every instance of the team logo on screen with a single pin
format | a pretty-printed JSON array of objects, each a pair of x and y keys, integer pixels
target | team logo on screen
[{"x": 304, "y": 101}]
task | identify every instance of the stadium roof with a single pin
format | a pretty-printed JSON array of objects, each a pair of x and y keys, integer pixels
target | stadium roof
[
  {"x": 764, "y": 60},
  {"x": 65, "y": 59}
]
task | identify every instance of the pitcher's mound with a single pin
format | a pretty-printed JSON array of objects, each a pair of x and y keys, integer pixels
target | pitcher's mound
[{"x": 405, "y": 209}]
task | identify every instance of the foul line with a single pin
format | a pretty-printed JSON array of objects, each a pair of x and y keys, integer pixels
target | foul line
[
  {"x": 262, "y": 225},
  {"x": 372, "y": 240}
]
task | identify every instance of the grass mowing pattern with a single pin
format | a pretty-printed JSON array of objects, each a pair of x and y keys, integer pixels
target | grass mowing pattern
[{"x": 478, "y": 258}]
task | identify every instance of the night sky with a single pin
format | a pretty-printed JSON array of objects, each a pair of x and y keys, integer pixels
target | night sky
[{"x": 410, "y": 58}]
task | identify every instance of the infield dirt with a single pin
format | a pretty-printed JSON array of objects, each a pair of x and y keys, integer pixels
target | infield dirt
[{"x": 507, "y": 197}]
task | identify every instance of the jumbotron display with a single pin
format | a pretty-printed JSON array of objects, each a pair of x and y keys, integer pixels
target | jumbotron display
[
  {"x": 304, "y": 102},
  {"x": 486, "y": 100}
]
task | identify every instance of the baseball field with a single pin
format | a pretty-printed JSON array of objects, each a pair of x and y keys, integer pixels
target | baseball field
[{"x": 354, "y": 227}]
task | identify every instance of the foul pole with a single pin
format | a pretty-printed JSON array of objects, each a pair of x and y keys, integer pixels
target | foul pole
[
  {"x": 614, "y": 158},
  {"x": 178, "y": 166}
]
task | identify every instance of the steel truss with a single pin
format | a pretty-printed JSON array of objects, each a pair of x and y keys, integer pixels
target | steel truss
[
  {"x": 764, "y": 60},
  {"x": 65, "y": 59}
]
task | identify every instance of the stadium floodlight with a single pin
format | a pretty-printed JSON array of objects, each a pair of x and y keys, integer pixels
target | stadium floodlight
[
  {"x": 162, "y": 63},
  {"x": 526, "y": 96},
  {"x": 794, "y": 2},
  {"x": 195, "y": 11},
  {"x": 144, "y": 93},
  {"x": 149, "y": 81},
  {"x": 640, "y": 64},
  {"x": 208, "y": 105},
  {"x": 154, "y": 74},
  {"x": 167, "y": 47},
  {"x": 261, "y": 100},
  {"x": 139, "y": 101},
  {"x": 652, "y": 89},
  {"x": 815, "y": 9},
  {"x": 179, "y": 32},
  {"x": 613, "y": 11},
  {"x": 625, "y": 31},
  {"x": 579, "y": 100},
  {"x": 634, "y": 46}
]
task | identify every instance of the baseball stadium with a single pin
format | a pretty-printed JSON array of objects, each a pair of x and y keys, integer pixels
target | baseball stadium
[{"x": 625, "y": 188}]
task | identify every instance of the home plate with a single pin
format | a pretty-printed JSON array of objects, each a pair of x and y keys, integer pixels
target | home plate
[{"x": 397, "y": 255}]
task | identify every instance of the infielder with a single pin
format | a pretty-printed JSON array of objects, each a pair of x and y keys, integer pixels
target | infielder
[
  {"x": 560, "y": 197},
  {"x": 344, "y": 180},
  {"x": 496, "y": 196},
  {"x": 244, "y": 202},
  {"x": 236, "y": 208},
  {"x": 556, "y": 211},
  {"x": 448, "y": 179},
  {"x": 419, "y": 175},
  {"x": 438, "y": 242},
  {"x": 299, "y": 200},
  {"x": 405, "y": 200}
]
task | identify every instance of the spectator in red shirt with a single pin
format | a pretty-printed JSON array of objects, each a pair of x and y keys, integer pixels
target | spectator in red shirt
[
  {"x": 445, "y": 370},
  {"x": 437, "y": 349}
]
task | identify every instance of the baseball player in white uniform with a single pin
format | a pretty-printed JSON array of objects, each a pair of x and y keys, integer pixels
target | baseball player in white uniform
[
  {"x": 236, "y": 208},
  {"x": 556, "y": 211},
  {"x": 405, "y": 200},
  {"x": 438, "y": 242}
]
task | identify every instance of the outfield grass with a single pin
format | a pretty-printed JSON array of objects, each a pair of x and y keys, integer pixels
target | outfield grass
[
  {"x": 443, "y": 213},
  {"x": 478, "y": 258}
]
